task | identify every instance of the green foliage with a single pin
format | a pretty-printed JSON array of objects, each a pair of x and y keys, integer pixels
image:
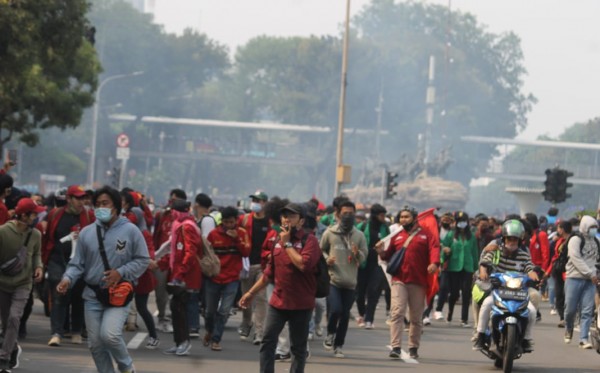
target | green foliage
[{"x": 48, "y": 71}]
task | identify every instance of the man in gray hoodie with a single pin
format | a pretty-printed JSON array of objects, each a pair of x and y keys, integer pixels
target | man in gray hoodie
[
  {"x": 345, "y": 249},
  {"x": 580, "y": 285},
  {"x": 128, "y": 258}
]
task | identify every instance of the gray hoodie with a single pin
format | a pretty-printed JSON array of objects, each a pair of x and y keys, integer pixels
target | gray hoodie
[
  {"x": 582, "y": 262},
  {"x": 338, "y": 244},
  {"x": 126, "y": 251}
]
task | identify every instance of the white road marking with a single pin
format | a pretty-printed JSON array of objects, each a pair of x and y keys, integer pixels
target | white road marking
[{"x": 136, "y": 341}]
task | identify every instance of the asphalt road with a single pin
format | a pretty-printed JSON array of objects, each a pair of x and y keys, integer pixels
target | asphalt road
[{"x": 444, "y": 348}]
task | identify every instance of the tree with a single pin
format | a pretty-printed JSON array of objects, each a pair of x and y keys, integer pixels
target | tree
[{"x": 48, "y": 70}]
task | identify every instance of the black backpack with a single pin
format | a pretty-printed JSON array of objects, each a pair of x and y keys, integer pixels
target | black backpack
[{"x": 560, "y": 264}]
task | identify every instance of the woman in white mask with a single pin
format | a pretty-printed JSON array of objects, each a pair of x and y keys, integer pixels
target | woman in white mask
[{"x": 459, "y": 258}]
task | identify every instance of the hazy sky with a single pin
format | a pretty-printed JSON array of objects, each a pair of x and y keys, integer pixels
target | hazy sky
[{"x": 560, "y": 40}]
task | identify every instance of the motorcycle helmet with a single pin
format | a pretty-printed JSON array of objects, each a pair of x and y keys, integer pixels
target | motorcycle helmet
[{"x": 513, "y": 228}]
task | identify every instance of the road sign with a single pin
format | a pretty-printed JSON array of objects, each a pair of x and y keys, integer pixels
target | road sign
[
  {"x": 123, "y": 154},
  {"x": 123, "y": 140}
]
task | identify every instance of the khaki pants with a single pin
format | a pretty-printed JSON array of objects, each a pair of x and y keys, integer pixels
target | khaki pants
[
  {"x": 413, "y": 297},
  {"x": 258, "y": 312}
]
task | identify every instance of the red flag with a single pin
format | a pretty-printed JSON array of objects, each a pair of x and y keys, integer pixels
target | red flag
[{"x": 428, "y": 221}]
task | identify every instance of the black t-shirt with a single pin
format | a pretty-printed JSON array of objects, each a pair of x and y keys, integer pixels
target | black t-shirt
[
  {"x": 259, "y": 233},
  {"x": 63, "y": 228}
]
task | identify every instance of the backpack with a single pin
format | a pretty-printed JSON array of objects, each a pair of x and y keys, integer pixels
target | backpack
[
  {"x": 560, "y": 264},
  {"x": 210, "y": 264}
]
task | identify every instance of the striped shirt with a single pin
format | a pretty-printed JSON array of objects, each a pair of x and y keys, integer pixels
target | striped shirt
[{"x": 520, "y": 261}]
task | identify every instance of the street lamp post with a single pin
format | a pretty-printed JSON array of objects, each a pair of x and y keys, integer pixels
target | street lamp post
[
  {"x": 94, "y": 140},
  {"x": 340, "y": 170}
]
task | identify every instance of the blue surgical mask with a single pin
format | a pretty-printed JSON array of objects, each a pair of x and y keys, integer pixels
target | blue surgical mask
[
  {"x": 255, "y": 207},
  {"x": 593, "y": 231},
  {"x": 103, "y": 214}
]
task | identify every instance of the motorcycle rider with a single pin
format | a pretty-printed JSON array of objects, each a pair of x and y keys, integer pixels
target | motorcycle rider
[{"x": 511, "y": 256}]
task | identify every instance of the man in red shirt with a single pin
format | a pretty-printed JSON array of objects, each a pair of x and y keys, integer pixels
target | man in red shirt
[
  {"x": 64, "y": 224},
  {"x": 409, "y": 283},
  {"x": 292, "y": 270},
  {"x": 230, "y": 243}
]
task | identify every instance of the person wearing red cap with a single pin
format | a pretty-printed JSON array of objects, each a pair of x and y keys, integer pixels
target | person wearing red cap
[
  {"x": 20, "y": 263},
  {"x": 64, "y": 224}
]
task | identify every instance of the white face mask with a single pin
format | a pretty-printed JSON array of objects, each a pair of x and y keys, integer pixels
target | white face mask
[
  {"x": 461, "y": 224},
  {"x": 255, "y": 207}
]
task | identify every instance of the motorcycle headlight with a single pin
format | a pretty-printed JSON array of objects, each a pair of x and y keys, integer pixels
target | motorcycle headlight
[{"x": 513, "y": 283}]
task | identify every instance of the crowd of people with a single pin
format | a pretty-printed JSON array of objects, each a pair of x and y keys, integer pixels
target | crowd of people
[{"x": 95, "y": 257}]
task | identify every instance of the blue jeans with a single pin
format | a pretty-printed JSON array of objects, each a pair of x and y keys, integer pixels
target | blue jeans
[
  {"x": 298, "y": 324},
  {"x": 579, "y": 292},
  {"x": 340, "y": 303},
  {"x": 105, "y": 336},
  {"x": 216, "y": 319}
]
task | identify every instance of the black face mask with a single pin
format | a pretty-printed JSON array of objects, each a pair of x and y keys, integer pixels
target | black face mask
[
  {"x": 347, "y": 222},
  {"x": 408, "y": 227},
  {"x": 293, "y": 231},
  {"x": 446, "y": 226}
]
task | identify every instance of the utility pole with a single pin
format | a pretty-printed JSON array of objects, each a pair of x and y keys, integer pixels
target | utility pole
[
  {"x": 342, "y": 172},
  {"x": 430, "y": 102}
]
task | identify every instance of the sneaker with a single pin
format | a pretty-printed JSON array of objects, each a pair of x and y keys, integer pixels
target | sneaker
[
  {"x": 538, "y": 316},
  {"x": 171, "y": 351},
  {"x": 257, "y": 339},
  {"x": 311, "y": 336},
  {"x": 13, "y": 363},
  {"x": 76, "y": 339},
  {"x": 4, "y": 366},
  {"x": 319, "y": 331},
  {"x": 215, "y": 346},
  {"x": 388, "y": 321},
  {"x": 527, "y": 345},
  {"x": 585, "y": 344},
  {"x": 395, "y": 353},
  {"x": 576, "y": 328},
  {"x": 413, "y": 353},
  {"x": 479, "y": 342},
  {"x": 360, "y": 322},
  {"x": 561, "y": 324},
  {"x": 426, "y": 321},
  {"x": 54, "y": 341},
  {"x": 568, "y": 336},
  {"x": 328, "y": 342},
  {"x": 206, "y": 339},
  {"x": 244, "y": 331},
  {"x": 132, "y": 370},
  {"x": 184, "y": 348},
  {"x": 438, "y": 315},
  {"x": 194, "y": 333},
  {"x": 465, "y": 324},
  {"x": 338, "y": 353},
  {"x": 152, "y": 343},
  {"x": 283, "y": 357},
  {"x": 131, "y": 327},
  {"x": 165, "y": 326},
  {"x": 369, "y": 325},
  {"x": 553, "y": 311},
  {"x": 474, "y": 336}
]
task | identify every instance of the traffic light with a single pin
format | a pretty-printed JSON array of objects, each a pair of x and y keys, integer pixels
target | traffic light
[
  {"x": 562, "y": 185},
  {"x": 557, "y": 185},
  {"x": 390, "y": 184},
  {"x": 550, "y": 191}
]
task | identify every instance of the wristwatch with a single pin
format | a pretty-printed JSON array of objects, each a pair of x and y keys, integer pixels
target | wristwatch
[{"x": 288, "y": 245}]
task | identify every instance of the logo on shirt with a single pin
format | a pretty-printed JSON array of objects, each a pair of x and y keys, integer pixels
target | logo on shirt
[
  {"x": 120, "y": 249},
  {"x": 179, "y": 246}
]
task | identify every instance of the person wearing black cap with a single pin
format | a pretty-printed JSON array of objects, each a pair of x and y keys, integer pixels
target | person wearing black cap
[
  {"x": 370, "y": 275},
  {"x": 20, "y": 265},
  {"x": 291, "y": 268},
  {"x": 345, "y": 249}
]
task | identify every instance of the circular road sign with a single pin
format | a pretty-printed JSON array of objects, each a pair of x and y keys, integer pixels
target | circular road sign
[{"x": 123, "y": 140}]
